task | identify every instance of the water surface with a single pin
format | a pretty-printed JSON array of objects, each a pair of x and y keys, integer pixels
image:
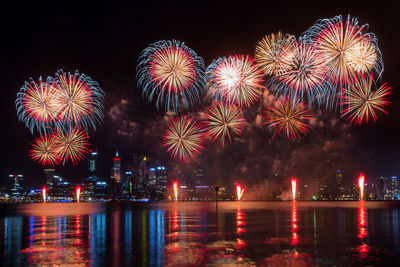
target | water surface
[{"x": 195, "y": 233}]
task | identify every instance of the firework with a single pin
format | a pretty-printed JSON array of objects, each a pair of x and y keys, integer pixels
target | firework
[
  {"x": 45, "y": 150},
  {"x": 72, "y": 144},
  {"x": 235, "y": 79},
  {"x": 361, "y": 101},
  {"x": 294, "y": 185},
  {"x": 175, "y": 186},
  {"x": 288, "y": 116},
  {"x": 183, "y": 138},
  {"x": 80, "y": 100},
  {"x": 78, "y": 193},
  {"x": 223, "y": 119},
  {"x": 304, "y": 72},
  {"x": 239, "y": 191},
  {"x": 37, "y": 105},
  {"x": 44, "y": 194},
  {"x": 361, "y": 182},
  {"x": 345, "y": 48},
  {"x": 269, "y": 52},
  {"x": 172, "y": 74}
]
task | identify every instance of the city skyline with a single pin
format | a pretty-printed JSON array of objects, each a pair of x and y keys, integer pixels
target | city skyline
[{"x": 133, "y": 125}]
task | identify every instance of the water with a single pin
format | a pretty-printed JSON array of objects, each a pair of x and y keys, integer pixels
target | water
[{"x": 193, "y": 233}]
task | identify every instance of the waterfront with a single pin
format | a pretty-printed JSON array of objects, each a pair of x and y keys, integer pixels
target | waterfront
[{"x": 193, "y": 233}]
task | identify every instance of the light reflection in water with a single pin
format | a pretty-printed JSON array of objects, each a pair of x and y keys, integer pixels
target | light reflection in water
[
  {"x": 240, "y": 227},
  {"x": 362, "y": 229},
  {"x": 295, "y": 237}
]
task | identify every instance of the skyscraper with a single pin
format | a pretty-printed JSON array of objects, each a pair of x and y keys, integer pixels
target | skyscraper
[
  {"x": 49, "y": 176},
  {"x": 157, "y": 182},
  {"x": 340, "y": 193},
  {"x": 142, "y": 175},
  {"x": 116, "y": 181},
  {"x": 15, "y": 185},
  {"x": 91, "y": 178}
]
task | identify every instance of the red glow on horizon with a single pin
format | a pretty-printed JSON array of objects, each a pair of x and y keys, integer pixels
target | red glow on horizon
[
  {"x": 175, "y": 185},
  {"x": 239, "y": 191},
  {"x": 44, "y": 194},
  {"x": 294, "y": 185},
  {"x": 78, "y": 192},
  {"x": 361, "y": 182}
]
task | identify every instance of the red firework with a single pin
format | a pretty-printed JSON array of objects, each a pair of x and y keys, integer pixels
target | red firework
[
  {"x": 72, "y": 144},
  {"x": 45, "y": 150}
]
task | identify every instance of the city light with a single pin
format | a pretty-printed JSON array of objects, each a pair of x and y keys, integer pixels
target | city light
[
  {"x": 294, "y": 184},
  {"x": 361, "y": 181},
  {"x": 239, "y": 191},
  {"x": 78, "y": 192},
  {"x": 44, "y": 194},
  {"x": 175, "y": 185}
]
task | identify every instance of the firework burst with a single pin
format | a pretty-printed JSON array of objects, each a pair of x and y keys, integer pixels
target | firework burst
[
  {"x": 235, "y": 79},
  {"x": 304, "y": 73},
  {"x": 222, "y": 120},
  {"x": 289, "y": 116},
  {"x": 45, "y": 150},
  {"x": 183, "y": 138},
  {"x": 361, "y": 101},
  {"x": 37, "y": 105},
  {"x": 269, "y": 52},
  {"x": 346, "y": 49},
  {"x": 80, "y": 100},
  {"x": 172, "y": 74},
  {"x": 72, "y": 144}
]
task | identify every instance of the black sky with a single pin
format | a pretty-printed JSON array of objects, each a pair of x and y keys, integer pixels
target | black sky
[{"x": 104, "y": 40}]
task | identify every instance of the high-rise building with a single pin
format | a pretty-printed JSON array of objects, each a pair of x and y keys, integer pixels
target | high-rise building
[
  {"x": 199, "y": 177},
  {"x": 340, "y": 193},
  {"x": 92, "y": 176},
  {"x": 116, "y": 179},
  {"x": 127, "y": 186},
  {"x": 15, "y": 185},
  {"x": 157, "y": 182},
  {"x": 141, "y": 179},
  {"x": 61, "y": 188},
  {"x": 49, "y": 176}
]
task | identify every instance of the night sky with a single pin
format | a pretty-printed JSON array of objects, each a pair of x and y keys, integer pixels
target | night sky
[{"x": 104, "y": 42}]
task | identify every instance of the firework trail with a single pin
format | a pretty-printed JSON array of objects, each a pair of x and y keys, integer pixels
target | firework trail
[
  {"x": 235, "y": 79},
  {"x": 269, "y": 52},
  {"x": 80, "y": 100},
  {"x": 345, "y": 48},
  {"x": 361, "y": 102},
  {"x": 45, "y": 150},
  {"x": 37, "y": 105},
  {"x": 289, "y": 116},
  {"x": 72, "y": 144},
  {"x": 172, "y": 74},
  {"x": 222, "y": 119},
  {"x": 183, "y": 138}
]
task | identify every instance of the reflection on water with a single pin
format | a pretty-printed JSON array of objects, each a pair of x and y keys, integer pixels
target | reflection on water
[{"x": 193, "y": 233}]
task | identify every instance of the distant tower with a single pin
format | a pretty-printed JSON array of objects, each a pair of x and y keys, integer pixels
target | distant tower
[
  {"x": 340, "y": 188},
  {"x": 116, "y": 182},
  {"x": 91, "y": 178},
  {"x": 50, "y": 180}
]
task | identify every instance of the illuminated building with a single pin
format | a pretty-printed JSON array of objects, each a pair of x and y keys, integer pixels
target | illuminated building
[
  {"x": 49, "y": 175},
  {"x": 127, "y": 185},
  {"x": 340, "y": 193},
  {"x": 199, "y": 175},
  {"x": 157, "y": 183},
  {"x": 15, "y": 187},
  {"x": 61, "y": 189},
  {"x": 116, "y": 179},
  {"x": 91, "y": 178},
  {"x": 142, "y": 175}
]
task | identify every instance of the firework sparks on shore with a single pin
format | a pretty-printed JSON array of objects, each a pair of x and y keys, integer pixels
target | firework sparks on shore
[
  {"x": 288, "y": 116},
  {"x": 239, "y": 191},
  {"x": 222, "y": 119},
  {"x": 362, "y": 102},
  {"x": 78, "y": 193},
  {"x": 44, "y": 194},
  {"x": 175, "y": 186},
  {"x": 172, "y": 74},
  {"x": 361, "y": 183},
  {"x": 294, "y": 187},
  {"x": 183, "y": 138},
  {"x": 235, "y": 79}
]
